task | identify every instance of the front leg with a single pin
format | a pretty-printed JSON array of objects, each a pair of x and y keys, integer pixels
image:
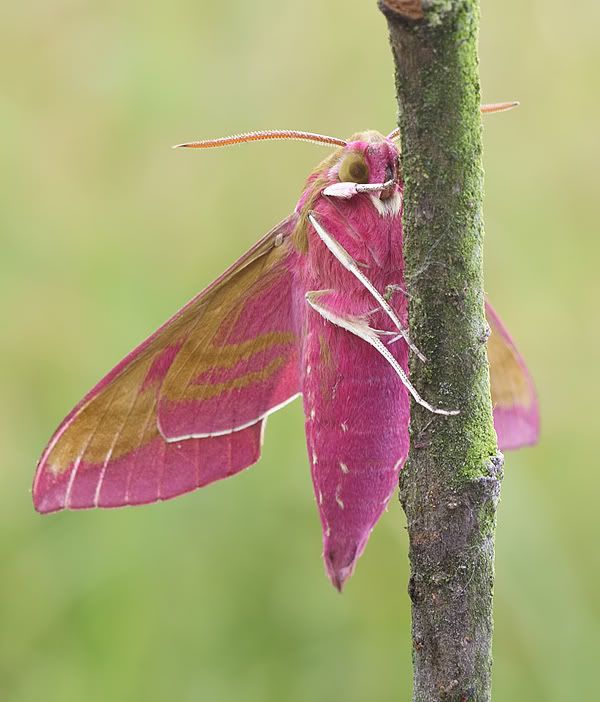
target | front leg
[
  {"x": 358, "y": 326},
  {"x": 350, "y": 264}
]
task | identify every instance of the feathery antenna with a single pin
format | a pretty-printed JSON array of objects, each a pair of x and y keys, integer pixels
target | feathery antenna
[{"x": 263, "y": 136}]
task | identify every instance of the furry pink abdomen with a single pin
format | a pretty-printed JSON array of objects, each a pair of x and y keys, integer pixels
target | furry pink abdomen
[{"x": 356, "y": 412}]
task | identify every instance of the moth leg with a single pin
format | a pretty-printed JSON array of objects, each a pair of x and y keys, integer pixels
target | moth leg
[
  {"x": 392, "y": 288},
  {"x": 359, "y": 327},
  {"x": 389, "y": 291},
  {"x": 388, "y": 294},
  {"x": 384, "y": 332},
  {"x": 394, "y": 336},
  {"x": 350, "y": 264}
]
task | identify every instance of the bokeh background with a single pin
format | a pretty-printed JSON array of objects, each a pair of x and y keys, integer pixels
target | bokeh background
[{"x": 105, "y": 231}]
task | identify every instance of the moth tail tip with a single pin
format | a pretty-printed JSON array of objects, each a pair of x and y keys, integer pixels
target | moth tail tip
[
  {"x": 340, "y": 566},
  {"x": 338, "y": 578}
]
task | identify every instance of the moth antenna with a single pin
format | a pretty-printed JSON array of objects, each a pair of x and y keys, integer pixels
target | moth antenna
[
  {"x": 498, "y": 107},
  {"x": 485, "y": 110},
  {"x": 273, "y": 134}
]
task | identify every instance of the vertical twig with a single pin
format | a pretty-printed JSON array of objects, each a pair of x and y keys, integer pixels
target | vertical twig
[{"x": 451, "y": 484}]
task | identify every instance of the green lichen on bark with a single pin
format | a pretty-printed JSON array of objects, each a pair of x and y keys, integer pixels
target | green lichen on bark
[
  {"x": 435, "y": 10},
  {"x": 451, "y": 483}
]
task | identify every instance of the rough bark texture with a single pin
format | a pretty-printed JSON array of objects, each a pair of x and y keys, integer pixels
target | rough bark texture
[{"x": 451, "y": 484}]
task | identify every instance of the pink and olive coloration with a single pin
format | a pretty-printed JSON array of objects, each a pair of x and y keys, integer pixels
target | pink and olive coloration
[{"x": 317, "y": 307}]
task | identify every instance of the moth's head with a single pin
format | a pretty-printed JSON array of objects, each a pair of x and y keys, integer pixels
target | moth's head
[{"x": 368, "y": 158}]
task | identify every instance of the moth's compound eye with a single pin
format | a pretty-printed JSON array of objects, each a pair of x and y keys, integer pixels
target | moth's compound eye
[{"x": 354, "y": 169}]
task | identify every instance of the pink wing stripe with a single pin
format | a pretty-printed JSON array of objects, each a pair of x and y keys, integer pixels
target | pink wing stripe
[
  {"x": 228, "y": 397},
  {"x": 156, "y": 471}
]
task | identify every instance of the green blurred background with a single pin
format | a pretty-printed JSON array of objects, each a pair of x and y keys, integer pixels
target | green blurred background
[{"x": 105, "y": 231}]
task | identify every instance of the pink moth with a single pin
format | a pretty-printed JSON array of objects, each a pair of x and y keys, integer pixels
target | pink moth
[{"x": 317, "y": 307}]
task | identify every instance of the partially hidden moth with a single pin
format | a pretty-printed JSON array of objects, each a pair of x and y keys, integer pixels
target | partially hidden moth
[{"x": 316, "y": 308}]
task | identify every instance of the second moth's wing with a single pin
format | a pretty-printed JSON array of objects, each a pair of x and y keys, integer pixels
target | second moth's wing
[
  {"x": 236, "y": 348},
  {"x": 515, "y": 402}
]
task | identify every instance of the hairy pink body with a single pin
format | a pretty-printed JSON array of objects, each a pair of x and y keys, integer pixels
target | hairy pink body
[{"x": 356, "y": 408}]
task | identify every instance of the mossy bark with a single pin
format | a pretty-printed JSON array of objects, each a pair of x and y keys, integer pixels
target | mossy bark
[{"x": 451, "y": 484}]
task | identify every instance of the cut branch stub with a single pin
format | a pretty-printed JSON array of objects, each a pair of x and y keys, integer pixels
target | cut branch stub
[{"x": 411, "y": 9}]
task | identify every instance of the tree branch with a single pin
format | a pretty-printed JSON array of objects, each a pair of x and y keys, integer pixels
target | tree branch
[{"x": 451, "y": 484}]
